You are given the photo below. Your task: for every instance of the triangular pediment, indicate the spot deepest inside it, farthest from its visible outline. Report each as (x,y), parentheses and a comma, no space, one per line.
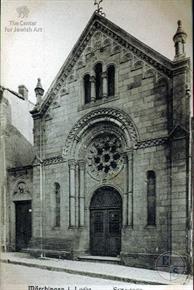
(100,33)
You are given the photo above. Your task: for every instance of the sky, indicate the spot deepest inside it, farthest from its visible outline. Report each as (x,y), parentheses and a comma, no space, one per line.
(54,27)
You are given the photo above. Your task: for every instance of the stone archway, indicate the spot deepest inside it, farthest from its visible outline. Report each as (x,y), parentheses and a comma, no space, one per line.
(116,117)
(105,222)
(113,131)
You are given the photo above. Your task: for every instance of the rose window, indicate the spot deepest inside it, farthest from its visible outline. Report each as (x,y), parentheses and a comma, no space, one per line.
(104,156)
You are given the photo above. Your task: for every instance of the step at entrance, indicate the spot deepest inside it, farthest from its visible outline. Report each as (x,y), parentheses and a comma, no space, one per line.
(100,259)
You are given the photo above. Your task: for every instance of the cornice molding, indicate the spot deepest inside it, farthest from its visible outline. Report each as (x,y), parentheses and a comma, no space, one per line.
(139,145)
(151,142)
(53,160)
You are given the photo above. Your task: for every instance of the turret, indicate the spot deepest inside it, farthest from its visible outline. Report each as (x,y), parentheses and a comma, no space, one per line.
(179,41)
(39,91)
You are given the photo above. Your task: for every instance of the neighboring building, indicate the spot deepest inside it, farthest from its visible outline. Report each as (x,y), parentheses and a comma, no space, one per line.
(16,152)
(111,175)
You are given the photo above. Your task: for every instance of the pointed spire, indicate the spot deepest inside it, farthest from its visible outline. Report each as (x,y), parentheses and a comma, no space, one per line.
(179,41)
(39,91)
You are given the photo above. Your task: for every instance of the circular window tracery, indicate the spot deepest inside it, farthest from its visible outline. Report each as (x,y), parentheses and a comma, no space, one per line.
(104,156)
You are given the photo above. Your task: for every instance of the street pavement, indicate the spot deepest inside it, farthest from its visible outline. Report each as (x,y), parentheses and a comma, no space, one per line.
(19,266)
(16,277)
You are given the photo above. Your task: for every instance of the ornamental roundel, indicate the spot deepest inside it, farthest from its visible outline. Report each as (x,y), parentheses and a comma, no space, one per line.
(104,156)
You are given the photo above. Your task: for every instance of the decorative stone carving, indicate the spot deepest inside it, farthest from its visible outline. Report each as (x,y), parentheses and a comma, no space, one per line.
(107,42)
(21,188)
(89,56)
(53,160)
(137,65)
(138,145)
(116,49)
(80,64)
(97,45)
(64,91)
(151,142)
(104,156)
(72,78)
(127,56)
(56,102)
(150,73)
(100,114)
(88,50)
(97,35)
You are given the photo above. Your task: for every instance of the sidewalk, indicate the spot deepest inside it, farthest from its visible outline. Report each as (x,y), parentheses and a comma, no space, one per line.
(97,270)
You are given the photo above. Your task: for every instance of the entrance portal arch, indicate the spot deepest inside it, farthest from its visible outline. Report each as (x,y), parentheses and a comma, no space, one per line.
(105,222)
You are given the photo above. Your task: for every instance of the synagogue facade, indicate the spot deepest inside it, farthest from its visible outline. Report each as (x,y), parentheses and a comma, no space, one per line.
(111,176)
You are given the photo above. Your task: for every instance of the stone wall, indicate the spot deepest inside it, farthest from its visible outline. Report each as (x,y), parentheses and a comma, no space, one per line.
(149,98)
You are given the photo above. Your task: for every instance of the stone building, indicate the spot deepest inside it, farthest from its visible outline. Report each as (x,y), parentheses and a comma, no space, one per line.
(111,136)
(16,156)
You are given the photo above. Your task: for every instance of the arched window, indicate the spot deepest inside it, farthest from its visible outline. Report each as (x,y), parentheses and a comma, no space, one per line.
(87,89)
(111,80)
(151,198)
(57,204)
(98,73)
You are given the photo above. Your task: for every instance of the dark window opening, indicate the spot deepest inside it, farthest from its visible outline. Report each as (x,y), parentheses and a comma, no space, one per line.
(151,197)
(57,203)
(87,89)
(111,80)
(98,72)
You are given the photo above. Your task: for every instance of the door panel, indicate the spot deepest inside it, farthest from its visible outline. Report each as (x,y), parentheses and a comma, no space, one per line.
(105,232)
(23,224)
(98,233)
(105,222)
(114,232)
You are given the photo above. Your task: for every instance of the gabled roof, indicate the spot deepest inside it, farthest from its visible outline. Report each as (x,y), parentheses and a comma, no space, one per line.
(126,40)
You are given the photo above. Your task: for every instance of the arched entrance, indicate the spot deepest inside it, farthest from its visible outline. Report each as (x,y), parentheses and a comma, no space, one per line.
(105,222)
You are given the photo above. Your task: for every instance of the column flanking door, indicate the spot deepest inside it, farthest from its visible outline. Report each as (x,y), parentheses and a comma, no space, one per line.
(105,222)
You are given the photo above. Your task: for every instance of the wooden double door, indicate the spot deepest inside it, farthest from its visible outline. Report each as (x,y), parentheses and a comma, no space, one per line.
(105,222)
(23,224)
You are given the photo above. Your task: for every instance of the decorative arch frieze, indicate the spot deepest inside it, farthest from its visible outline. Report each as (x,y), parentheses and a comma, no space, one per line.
(109,115)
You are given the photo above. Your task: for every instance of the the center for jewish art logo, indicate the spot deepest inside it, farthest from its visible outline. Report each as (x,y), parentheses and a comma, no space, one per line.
(22,11)
(23,24)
